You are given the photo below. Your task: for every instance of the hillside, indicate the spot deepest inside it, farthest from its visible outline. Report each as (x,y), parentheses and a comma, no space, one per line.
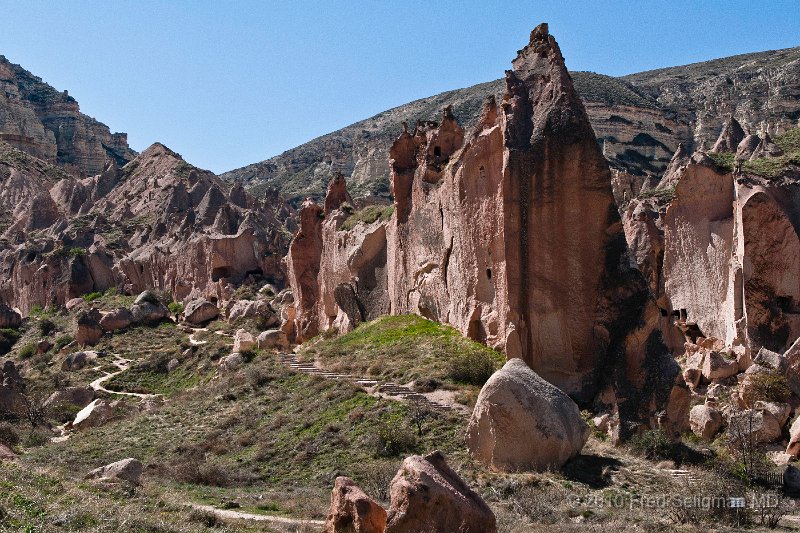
(48,124)
(639,120)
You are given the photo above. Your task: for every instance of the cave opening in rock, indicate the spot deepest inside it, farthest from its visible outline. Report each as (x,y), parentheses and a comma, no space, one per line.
(489,273)
(219,273)
(437,151)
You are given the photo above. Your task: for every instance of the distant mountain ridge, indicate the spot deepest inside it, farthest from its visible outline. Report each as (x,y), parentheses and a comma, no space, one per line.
(48,124)
(639,121)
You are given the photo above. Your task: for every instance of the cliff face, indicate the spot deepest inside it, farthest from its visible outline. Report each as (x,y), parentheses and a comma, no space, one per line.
(48,125)
(639,121)
(156,223)
(509,233)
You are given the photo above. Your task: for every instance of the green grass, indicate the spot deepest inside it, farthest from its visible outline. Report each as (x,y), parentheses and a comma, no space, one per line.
(263,430)
(368,215)
(416,348)
(36,500)
(662,195)
(769,167)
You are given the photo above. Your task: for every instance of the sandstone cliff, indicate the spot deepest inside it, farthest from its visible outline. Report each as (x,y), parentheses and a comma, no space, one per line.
(508,232)
(156,223)
(48,125)
(639,121)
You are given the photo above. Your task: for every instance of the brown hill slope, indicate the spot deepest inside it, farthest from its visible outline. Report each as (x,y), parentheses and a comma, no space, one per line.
(639,120)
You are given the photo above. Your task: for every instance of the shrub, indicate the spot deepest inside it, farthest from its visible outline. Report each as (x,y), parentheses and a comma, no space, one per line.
(368,215)
(62,341)
(175,308)
(92,296)
(46,327)
(653,444)
(767,387)
(473,367)
(8,435)
(36,437)
(27,351)
(201,473)
(374,478)
(8,337)
(390,440)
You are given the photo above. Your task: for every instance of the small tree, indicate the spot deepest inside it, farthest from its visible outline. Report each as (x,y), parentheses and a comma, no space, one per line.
(418,412)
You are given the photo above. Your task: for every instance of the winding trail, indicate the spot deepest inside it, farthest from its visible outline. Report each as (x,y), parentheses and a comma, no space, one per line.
(122,364)
(230,514)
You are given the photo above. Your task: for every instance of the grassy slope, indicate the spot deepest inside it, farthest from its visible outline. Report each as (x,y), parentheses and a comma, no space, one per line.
(769,167)
(417,348)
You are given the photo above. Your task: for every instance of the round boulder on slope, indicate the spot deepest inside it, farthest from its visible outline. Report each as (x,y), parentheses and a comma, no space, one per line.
(522,422)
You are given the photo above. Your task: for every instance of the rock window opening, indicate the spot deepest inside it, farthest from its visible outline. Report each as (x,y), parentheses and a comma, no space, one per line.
(437,151)
(489,273)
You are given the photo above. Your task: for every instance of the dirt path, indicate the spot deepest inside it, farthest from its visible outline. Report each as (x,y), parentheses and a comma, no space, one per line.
(283,522)
(122,364)
(436,401)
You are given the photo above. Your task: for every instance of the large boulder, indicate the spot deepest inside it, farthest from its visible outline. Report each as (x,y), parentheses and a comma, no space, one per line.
(200,311)
(352,511)
(78,361)
(522,422)
(243,341)
(716,366)
(9,318)
(272,339)
(251,309)
(705,420)
(100,412)
(126,470)
(146,312)
(427,495)
(117,319)
(88,331)
(78,396)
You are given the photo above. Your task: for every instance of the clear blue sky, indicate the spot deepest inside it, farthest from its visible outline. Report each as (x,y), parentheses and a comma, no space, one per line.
(231,83)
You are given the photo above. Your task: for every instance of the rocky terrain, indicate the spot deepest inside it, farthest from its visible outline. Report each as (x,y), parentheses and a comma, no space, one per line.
(639,121)
(539,332)
(156,223)
(48,124)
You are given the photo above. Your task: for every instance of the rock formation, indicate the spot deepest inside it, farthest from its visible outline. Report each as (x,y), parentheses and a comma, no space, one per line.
(522,422)
(352,511)
(427,495)
(48,125)
(509,233)
(157,223)
(639,121)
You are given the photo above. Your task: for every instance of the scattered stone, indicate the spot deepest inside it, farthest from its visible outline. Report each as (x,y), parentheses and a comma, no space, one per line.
(74,303)
(252,308)
(243,341)
(522,422)
(427,495)
(771,360)
(88,331)
(716,366)
(9,318)
(78,361)
(173,364)
(149,313)
(200,311)
(705,421)
(119,318)
(147,297)
(272,339)
(231,362)
(6,453)
(353,511)
(78,396)
(98,413)
(793,448)
(43,346)
(126,470)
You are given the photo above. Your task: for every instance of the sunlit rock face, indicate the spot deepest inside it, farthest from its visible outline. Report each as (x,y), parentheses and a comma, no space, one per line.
(510,233)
